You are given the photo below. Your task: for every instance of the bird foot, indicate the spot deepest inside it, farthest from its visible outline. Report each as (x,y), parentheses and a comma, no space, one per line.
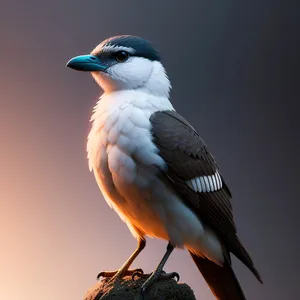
(119,273)
(152,278)
(163,275)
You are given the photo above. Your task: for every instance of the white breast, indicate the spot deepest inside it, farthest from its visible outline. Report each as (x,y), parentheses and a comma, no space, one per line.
(121,126)
(120,150)
(126,162)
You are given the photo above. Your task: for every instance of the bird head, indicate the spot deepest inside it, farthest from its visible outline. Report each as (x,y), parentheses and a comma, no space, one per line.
(124,63)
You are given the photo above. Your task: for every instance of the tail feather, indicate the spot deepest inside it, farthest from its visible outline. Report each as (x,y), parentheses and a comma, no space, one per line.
(241,253)
(221,279)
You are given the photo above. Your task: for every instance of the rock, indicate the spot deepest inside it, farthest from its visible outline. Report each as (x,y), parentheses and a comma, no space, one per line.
(130,290)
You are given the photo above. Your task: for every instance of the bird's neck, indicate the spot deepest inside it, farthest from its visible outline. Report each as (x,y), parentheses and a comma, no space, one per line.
(158,83)
(122,99)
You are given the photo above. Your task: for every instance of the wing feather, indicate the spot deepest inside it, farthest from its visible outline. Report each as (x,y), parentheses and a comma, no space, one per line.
(188,158)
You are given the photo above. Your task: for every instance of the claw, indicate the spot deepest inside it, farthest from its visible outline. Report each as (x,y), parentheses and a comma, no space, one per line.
(162,276)
(137,272)
(165,276)
(120,274)
(105,274)
(175,276)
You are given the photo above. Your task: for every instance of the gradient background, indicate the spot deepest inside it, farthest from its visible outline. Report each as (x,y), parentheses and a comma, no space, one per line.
(233,70)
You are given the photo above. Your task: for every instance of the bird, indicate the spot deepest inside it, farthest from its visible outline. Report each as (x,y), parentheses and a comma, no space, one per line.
(155,170)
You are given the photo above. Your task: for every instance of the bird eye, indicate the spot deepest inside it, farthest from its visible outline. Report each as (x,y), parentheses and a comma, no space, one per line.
(121,56)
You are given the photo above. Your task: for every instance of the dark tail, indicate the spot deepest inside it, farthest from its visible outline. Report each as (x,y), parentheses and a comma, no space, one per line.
(221,280)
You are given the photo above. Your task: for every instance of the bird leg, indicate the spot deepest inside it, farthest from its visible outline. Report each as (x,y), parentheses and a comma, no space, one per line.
(124,270)
(158,272)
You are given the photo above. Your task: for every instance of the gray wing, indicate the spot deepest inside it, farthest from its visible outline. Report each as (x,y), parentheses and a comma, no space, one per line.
(194,174)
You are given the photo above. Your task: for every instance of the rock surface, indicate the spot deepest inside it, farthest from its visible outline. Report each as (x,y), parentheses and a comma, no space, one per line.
(130,290)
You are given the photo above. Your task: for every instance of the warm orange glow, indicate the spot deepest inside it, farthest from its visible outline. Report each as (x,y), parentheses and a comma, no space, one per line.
(56,229)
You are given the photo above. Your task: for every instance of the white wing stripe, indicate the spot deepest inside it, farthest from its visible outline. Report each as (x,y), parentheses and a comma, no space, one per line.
(211,184)
(198,184)
(215,183)
(206,183)
(194,185)
(220,180)
(203,184)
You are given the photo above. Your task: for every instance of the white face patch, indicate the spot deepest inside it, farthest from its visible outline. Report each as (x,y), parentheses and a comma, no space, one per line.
(204,184)
(131,74)
(135,73)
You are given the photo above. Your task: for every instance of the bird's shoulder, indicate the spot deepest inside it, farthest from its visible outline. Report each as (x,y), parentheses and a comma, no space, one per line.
(178,141)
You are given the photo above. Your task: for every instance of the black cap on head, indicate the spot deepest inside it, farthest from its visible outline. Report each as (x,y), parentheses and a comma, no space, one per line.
(142,47)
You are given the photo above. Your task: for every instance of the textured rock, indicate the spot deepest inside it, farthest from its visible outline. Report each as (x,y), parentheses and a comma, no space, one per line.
(130,290)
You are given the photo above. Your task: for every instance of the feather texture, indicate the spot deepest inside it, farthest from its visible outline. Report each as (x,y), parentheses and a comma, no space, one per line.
(187,157)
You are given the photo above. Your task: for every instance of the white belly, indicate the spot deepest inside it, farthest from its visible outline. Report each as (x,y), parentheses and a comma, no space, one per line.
(126,166)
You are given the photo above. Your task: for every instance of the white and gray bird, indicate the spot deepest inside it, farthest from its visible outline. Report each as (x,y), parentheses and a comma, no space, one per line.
(154,169)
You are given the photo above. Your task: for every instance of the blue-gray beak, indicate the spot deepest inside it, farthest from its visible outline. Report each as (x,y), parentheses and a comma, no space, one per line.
(88,63)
